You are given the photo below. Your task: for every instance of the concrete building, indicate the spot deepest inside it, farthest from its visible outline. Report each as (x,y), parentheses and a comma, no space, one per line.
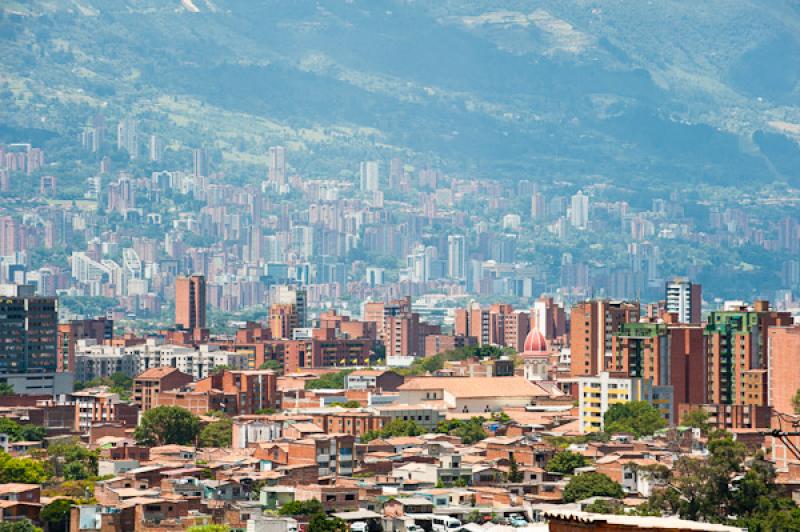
(370,379)
(29,329)
(685,299)
(479,395)
(592,326)
(190,302)
(457,257)
(276,166)
(736,353)
(99,330)
(149,384)
(369,176)
(783,367)
(598,393)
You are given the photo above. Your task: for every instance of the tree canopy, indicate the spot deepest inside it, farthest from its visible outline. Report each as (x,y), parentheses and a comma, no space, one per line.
(566,462)
(591,484)
(56,515)
(72,460)
(19,525)
(398,427)
(22,470)
(639,418)
(335,380)
(272,364)
(166,425)
(217,434)
(118,383)
(725,487)
(436,362)
(310,507)
(22,431)
(322,523)
(470,431)
(696,418)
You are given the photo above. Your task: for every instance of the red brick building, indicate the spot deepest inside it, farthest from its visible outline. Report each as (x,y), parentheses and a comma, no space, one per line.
(153,381)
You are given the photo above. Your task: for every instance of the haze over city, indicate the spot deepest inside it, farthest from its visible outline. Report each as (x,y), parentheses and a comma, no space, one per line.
(399,265)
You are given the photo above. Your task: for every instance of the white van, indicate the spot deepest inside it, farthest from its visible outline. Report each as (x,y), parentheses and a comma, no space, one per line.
(358,526)
(445,523)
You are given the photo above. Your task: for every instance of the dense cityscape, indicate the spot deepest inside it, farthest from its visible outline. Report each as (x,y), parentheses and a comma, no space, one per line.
(215,332)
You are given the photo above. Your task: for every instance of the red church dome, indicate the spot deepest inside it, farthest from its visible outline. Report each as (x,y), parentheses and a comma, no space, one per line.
(535,342)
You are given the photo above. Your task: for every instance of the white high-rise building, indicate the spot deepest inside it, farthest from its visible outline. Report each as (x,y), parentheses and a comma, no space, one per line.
(200,162)
(291,295)
(375,276)
(579,211)
(128,137)
(456,257)
(370,176)
(276,172)
(156,151)
(684,299)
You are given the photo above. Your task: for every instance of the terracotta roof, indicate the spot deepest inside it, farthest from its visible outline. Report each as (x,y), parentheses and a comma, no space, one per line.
(368,373)
(306,427)
(477,386)
(15,487)
(156,373)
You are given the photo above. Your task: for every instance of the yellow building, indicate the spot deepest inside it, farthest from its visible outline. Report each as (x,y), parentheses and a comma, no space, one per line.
(597,394)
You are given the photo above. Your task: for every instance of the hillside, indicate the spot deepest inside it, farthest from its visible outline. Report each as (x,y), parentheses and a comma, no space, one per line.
(652,92)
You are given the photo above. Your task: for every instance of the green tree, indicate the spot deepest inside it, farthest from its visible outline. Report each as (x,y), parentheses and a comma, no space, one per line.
(398,427)
(56,515)
(209,528)
(348,404)
(591,484)
(639,418)
(322,523)
(273,365)
(217,434)
(22,470)
(20,525)
(721,485)
(166,425)
(696,418)
(22,432)
(605,506)
(118,383)
(772,520)
(514,474)
(310,507)
(6,389)
(470,431)
(334,380)
(796,401)
(566,462)
(73,461)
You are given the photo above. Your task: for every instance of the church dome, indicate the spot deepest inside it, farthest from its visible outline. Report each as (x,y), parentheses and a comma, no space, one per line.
(535,342)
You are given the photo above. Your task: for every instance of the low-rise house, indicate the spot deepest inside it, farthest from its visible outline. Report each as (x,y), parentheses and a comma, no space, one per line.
(426,416)
(371,379)
(273,497)
(20,492)
(149,384)
(400,506)
(333,454)
(333,497)
(476,395)
(223,490)
(107,467)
